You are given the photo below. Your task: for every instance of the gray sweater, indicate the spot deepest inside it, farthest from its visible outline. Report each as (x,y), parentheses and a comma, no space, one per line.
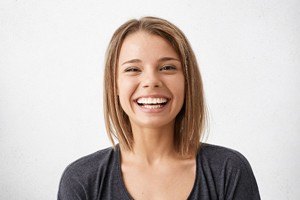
(221,173)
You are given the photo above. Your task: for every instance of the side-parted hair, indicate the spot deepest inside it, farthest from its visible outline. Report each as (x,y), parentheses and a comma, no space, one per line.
(190,122)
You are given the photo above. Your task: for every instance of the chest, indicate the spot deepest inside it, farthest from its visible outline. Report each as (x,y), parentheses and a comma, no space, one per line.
(165,182)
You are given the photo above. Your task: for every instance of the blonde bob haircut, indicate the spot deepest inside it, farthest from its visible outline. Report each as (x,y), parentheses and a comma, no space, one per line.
(190,122)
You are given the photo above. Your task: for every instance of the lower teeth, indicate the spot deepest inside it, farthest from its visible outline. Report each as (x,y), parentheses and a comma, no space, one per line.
(152,106)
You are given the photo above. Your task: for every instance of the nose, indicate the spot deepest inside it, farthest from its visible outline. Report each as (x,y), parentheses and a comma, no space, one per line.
(151,80)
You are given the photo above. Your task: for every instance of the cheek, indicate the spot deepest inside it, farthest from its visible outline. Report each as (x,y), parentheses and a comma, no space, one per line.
(125,91)
(179,87)
(125,87)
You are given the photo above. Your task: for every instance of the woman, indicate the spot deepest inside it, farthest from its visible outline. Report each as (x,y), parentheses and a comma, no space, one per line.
(154,106)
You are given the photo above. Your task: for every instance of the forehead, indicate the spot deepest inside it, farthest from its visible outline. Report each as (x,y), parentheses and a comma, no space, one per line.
(146,47)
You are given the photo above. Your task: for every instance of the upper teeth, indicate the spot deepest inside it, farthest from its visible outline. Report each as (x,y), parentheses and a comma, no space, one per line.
(151,100)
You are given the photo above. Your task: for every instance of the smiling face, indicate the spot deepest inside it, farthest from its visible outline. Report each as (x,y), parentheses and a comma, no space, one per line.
(150,81)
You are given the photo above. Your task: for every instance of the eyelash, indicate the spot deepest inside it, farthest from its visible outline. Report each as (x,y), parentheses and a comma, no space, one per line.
(131,69)
(165,67)
(168,67)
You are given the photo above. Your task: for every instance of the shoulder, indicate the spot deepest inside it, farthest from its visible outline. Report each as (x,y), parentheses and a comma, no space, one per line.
(228,172)
(223,162)
(81,177)
(90,163)
(218,154)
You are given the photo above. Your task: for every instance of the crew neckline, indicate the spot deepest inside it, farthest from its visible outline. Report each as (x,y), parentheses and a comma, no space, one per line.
(122,183)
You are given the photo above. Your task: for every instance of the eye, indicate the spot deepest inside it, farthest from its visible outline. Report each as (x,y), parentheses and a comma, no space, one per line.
(168,68)
(132,69)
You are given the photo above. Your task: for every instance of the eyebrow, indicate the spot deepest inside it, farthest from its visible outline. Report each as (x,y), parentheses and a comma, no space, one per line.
(132,61)
(160,60)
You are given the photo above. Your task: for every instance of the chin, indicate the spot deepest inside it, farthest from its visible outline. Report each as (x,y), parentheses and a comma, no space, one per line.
(153,124)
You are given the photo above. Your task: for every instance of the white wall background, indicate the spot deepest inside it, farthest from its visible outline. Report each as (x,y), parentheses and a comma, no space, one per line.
(51,67)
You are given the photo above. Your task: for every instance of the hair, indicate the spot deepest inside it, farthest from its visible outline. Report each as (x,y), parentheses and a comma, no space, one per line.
(190,122)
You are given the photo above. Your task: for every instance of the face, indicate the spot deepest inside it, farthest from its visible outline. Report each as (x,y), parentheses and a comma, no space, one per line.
(150,81)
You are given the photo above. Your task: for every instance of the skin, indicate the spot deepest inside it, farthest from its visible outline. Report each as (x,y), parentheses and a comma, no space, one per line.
(149,66)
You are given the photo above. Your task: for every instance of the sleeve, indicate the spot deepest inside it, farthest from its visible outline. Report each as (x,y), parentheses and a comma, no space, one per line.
(240,183)
(70,187)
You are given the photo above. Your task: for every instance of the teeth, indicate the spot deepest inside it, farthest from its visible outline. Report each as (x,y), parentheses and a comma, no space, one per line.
(151,100)
(152,106)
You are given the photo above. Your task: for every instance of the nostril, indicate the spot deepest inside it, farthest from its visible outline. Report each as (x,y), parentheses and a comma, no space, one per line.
(155,86)
(151,82)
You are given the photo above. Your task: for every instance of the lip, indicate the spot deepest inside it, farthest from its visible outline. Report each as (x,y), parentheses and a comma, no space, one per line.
(151,110)
(153,96)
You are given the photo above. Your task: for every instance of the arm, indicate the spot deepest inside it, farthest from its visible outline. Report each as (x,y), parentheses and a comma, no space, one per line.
(240,183)
(70,187)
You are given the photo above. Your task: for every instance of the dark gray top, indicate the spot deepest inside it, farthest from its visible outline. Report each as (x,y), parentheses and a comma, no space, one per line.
(221,173)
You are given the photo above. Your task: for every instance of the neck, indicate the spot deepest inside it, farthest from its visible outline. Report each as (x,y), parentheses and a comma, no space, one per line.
(152,145)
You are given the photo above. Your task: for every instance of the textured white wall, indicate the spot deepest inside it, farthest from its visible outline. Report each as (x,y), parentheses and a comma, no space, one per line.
(51,67)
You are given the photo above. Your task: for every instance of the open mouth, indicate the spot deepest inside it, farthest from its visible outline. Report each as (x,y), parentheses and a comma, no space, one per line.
(152,103)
